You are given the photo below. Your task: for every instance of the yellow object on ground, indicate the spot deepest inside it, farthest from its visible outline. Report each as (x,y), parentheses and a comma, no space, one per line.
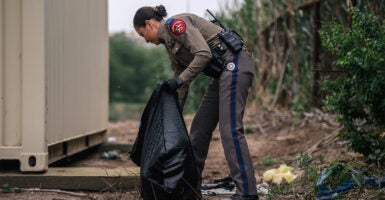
(279,174)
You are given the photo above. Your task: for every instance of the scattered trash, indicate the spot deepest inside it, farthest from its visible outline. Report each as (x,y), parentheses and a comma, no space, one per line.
(336,171)
(110,155)
(218,191)
(222,186)
(111,139)
(226,186)
(263,188)
(278,175)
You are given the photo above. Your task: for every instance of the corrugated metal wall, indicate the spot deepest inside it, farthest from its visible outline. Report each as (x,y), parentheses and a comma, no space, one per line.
(53,79)
(76,72)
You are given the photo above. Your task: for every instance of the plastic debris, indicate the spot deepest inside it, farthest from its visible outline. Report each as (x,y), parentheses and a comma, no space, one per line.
(226,186)
(223,186)
(110,155)
(218,191)
(327,193)
(283,173)
(112,139)
(263,188)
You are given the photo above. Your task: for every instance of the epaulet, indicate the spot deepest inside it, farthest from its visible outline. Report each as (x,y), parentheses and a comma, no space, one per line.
(169,21)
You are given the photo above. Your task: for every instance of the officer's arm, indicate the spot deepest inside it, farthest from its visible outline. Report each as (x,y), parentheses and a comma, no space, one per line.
(193,40)
(183,90)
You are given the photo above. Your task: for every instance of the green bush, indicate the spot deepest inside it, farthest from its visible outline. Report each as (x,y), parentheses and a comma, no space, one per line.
(135,70)
(358,95)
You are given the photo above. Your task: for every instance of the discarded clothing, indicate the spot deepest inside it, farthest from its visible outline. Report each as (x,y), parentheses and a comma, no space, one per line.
(226,186)
(325,193)
(221,186)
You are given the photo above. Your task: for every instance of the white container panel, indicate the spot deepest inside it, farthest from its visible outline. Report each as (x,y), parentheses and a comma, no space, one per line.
(53,79)
(76,60)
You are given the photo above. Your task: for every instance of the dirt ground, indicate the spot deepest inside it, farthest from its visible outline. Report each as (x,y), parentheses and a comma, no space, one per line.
(274,138)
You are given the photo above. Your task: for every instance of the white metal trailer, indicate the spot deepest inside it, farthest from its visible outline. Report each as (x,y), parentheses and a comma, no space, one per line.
(53,79)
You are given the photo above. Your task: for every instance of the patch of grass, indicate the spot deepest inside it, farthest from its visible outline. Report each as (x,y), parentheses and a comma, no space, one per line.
(6,188)
(321,158)
(248,129)
(268,161)
(310,172)
(278,190)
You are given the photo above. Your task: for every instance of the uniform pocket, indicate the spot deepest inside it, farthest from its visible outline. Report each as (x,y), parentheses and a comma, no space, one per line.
(175,49)
(181,54)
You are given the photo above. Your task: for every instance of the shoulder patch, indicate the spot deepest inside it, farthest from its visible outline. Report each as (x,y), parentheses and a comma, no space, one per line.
(177,27)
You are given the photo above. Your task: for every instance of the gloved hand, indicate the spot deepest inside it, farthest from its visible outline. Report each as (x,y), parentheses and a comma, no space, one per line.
(173,84)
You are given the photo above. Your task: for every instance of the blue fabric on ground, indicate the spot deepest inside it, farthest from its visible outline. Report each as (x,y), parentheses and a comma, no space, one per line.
(374,182)
(324,193)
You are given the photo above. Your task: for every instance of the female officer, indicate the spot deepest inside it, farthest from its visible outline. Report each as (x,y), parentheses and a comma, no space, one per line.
(191,42)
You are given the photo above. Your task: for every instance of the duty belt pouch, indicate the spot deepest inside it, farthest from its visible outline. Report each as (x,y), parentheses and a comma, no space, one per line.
(232,40)
(215,66)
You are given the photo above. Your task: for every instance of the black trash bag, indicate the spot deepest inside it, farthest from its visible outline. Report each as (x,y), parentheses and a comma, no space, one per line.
(163,151)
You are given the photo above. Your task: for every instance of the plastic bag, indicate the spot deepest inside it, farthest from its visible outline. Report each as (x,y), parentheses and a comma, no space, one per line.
(163,151)
(278,175)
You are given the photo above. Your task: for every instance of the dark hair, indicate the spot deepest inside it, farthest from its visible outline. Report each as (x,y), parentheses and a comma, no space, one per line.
(147,12)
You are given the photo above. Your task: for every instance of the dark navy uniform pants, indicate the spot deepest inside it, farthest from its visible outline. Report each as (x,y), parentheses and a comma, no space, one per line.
(224,102)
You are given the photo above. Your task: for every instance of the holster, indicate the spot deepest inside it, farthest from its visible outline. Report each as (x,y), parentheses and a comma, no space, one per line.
(215,67)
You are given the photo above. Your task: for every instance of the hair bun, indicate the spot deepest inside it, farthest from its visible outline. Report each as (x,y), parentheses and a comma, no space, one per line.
(160,11)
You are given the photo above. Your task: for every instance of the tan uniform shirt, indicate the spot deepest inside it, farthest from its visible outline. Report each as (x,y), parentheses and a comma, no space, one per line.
(186,38)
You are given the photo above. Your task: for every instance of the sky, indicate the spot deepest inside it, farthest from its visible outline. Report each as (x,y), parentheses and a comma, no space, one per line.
(121,12)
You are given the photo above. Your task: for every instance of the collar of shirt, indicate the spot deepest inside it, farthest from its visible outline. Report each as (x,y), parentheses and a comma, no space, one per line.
(162,32)
(165,36)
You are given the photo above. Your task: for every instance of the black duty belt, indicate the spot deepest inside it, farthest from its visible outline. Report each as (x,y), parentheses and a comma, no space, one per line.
(215,67)
(219,44)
